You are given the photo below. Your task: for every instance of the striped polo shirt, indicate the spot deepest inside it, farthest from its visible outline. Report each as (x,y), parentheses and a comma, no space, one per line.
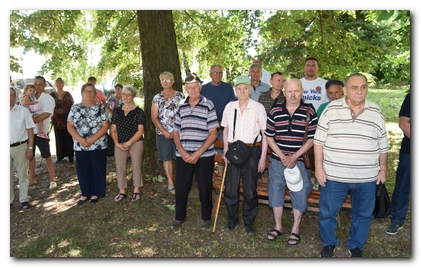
(194,123)
(288,131)
(351,147)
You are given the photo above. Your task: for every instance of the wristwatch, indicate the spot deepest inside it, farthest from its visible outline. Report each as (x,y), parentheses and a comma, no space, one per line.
(30,148)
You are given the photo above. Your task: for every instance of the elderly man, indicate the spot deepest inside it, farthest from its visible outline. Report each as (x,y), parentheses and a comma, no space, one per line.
(334,91)
(248,118)
(21,148)
(350,149)
(48,104)
(314,86)
(195,131)
(265,74)
(285,130)
(220,93)
(255,74)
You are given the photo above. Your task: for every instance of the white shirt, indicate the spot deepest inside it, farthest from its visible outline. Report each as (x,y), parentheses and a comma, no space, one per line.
(48,103)
(20,122)
(314,91)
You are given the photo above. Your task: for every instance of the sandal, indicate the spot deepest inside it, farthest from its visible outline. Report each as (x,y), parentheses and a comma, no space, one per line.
(273,234)
(171,190)
(81,202)
(293,239)
(136,197)
(119,197)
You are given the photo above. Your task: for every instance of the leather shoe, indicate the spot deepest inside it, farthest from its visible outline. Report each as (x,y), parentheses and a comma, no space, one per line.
(229,227)
(71,160)
(58,160)
(250,230)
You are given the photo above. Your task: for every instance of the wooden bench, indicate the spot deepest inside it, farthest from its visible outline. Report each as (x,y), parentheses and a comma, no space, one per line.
(262,187)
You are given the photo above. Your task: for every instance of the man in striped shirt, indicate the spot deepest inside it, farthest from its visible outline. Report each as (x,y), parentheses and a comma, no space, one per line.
(195,131)
(285,128)
(350,149)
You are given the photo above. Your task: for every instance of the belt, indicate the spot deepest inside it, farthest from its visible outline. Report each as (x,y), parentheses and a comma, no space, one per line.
(258,144)
(17,143)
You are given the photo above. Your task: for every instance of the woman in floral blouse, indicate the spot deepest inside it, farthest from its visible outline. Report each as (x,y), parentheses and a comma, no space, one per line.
(88,123)
(163,110)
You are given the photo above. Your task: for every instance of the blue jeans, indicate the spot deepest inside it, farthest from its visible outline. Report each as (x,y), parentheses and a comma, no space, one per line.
(400,197)
(332,195)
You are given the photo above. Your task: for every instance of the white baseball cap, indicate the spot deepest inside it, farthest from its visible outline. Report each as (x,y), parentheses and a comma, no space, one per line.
(293,179)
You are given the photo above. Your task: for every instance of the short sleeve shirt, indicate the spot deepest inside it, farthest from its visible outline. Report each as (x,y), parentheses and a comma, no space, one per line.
(127,125)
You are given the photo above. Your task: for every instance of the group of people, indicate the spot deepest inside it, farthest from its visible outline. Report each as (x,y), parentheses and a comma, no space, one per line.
(290,116)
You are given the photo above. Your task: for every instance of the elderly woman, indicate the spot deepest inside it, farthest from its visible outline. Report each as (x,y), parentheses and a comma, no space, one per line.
(88,123)
(163,110)
(127,128)
(64,142)
(249,124)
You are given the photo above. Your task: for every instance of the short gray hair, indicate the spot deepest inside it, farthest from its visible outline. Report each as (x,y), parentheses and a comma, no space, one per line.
(167,73)
(255,65)
(131,88)
(213,66)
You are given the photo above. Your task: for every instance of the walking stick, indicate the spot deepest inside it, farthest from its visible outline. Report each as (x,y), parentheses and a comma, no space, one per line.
(219,199)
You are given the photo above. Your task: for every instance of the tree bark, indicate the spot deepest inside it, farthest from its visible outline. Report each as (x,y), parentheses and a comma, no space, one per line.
(159,53)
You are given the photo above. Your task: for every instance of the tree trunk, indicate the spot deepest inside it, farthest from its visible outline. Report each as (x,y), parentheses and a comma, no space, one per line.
(159,53)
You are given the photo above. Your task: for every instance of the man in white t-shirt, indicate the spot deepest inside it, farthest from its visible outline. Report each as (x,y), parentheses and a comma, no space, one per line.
(314,86)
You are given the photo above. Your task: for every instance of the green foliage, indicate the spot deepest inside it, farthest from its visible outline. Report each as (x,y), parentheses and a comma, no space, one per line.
(344,41)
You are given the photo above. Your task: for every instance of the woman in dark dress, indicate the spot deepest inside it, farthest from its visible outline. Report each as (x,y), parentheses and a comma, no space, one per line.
(64,141)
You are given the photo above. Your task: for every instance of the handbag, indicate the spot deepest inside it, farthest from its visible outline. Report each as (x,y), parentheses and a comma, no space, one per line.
(382,207)
(308,157)
(238,152)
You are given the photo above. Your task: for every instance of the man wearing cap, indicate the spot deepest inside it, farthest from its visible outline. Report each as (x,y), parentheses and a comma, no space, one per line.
(334,91)
(285,130)
(249,126)
(350,152)
(257,86)
(220,93)
(314,86)
(195,131)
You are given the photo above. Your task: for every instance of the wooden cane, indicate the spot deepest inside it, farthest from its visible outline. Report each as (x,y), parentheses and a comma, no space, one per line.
(219,199)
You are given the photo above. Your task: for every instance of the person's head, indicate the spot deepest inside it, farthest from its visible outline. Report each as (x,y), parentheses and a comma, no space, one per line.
(92,80)
(334,89)
(12,97)
(167,80)
(242,86)
(39,83)
(59,83)
(29,89)
(277,80)
(293,91)
(257,60)
(311,68)
(255,72)
(356,89)
(88,92)
(216,73)
(193,85)
(129,93)
(118,88)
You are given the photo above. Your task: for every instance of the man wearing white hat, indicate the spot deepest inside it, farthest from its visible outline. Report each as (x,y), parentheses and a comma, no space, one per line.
(285,130)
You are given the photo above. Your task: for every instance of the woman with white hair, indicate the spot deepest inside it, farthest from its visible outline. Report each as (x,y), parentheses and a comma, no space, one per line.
(127,128)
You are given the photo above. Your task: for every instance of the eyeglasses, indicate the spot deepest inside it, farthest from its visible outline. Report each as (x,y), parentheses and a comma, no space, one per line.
(215,73)
(88,92)
(166,80)
(127,95)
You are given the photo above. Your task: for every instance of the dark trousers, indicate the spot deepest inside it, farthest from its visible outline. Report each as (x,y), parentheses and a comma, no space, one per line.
(91,168)
(64,143)
(203,170)
(248,173)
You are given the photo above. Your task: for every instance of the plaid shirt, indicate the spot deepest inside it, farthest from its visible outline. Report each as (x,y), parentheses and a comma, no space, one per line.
(267,101)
